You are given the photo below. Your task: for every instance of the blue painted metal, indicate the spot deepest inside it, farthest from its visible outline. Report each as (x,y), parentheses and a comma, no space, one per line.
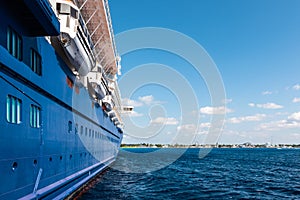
(44,17)
(68,157)
(31,17)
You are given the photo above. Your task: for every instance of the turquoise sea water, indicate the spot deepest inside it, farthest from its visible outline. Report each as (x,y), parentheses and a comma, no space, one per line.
(222,174)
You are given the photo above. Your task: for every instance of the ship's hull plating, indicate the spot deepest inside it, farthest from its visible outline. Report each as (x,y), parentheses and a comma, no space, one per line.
(75,138)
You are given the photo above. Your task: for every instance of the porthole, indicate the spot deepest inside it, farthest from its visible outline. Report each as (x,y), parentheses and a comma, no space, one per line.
(14,166)
(34,162)
(50,159)
(60,157)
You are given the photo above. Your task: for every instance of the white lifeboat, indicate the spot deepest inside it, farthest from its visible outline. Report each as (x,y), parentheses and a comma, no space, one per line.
(73,37)
(120,125)
(108,103)
(112,114)
(96,84)
(114,119)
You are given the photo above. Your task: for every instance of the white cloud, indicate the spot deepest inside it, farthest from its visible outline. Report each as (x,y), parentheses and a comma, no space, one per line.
(169,133)
(278,125)
(281,113)
(295,116)
(293,121)
(267,93)
(227,101)
(251,104)
(250,118)
(215,110)
(269,106)
(142,100)
(296,100)
(187,128)
(205,125)
(134,114)
(147,99)
(202,128)
(266,105)
(165,121)
(296,87)
(130,102)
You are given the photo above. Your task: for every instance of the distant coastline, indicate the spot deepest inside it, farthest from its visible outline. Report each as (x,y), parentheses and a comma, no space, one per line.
(244,145)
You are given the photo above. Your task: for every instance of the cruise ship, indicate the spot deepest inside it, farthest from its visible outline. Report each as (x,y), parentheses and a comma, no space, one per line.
(60,113)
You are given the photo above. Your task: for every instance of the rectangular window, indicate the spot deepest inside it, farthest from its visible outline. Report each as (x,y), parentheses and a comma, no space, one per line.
(65,9)
(58,7)
(81,130)
(13,109)
(14,44)
(69,126)
(76,128)
(18,111)
(73,13)
(35,116)
(35,62)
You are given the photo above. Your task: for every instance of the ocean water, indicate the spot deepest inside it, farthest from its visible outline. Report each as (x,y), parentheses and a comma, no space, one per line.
(222,174)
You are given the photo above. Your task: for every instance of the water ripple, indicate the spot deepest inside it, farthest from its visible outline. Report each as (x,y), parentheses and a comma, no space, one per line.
(223,174)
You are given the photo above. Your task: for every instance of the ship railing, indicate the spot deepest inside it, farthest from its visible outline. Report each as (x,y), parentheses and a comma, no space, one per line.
(104,46)
(110,81)
(116,95)
(87,38)
(109,21)
(101,56)
(85,31)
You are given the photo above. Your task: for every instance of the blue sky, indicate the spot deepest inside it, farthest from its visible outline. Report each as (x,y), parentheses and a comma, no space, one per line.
(255,45)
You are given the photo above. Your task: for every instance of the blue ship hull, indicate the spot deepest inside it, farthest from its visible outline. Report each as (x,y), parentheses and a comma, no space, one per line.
(53,136)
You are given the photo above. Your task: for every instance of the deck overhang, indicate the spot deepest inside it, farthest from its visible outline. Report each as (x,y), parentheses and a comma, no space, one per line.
(35,17)
(98,21)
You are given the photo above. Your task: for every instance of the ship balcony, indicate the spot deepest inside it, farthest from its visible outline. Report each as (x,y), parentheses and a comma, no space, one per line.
(35,17)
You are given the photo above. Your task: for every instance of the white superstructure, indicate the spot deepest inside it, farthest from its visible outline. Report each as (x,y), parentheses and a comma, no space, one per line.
(88,42)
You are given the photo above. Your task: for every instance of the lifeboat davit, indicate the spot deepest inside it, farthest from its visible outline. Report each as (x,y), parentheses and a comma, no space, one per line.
(74,37)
